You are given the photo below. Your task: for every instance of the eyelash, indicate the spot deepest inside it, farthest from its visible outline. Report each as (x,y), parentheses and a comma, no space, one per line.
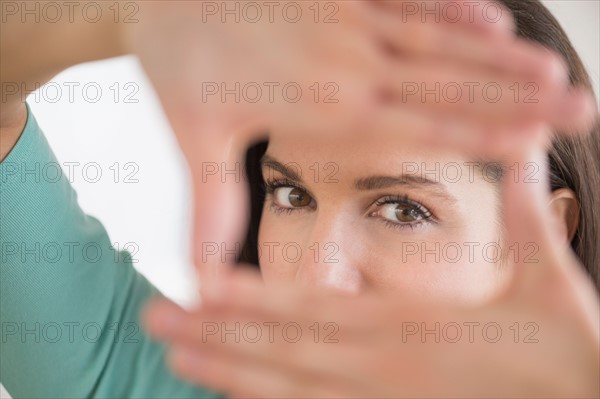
(271,185)
(426,216)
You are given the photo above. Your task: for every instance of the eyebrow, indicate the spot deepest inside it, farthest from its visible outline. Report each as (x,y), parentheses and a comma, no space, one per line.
(379,182)
(406,180)
(288,172)
(369,183)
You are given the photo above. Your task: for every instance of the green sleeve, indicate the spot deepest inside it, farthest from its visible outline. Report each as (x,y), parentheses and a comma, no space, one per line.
(69,303)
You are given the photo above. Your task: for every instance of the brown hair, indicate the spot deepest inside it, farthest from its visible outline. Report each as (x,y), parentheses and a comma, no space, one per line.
(574,160)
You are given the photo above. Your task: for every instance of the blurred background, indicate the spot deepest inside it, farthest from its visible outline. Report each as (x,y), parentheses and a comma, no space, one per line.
(106,127)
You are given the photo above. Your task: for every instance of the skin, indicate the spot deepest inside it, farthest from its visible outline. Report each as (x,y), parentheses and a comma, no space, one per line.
(178,57)
(365,246)
(362,246)
(551,298)
(369,48)
(370,361)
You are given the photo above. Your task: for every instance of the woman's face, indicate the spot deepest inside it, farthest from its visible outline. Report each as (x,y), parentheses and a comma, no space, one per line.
(363,215)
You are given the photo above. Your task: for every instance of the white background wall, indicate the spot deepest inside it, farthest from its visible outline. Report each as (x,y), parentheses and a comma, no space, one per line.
(153,212)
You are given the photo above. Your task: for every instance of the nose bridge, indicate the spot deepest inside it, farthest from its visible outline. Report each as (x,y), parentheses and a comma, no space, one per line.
(329,261)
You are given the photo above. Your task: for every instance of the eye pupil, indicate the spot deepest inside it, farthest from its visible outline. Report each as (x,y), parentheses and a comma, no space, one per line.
(407,214)
(298,198)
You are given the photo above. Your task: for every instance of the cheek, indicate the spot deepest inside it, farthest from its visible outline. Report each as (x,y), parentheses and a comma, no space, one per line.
(277,243)
(436,269)
(458,260)
(454,260)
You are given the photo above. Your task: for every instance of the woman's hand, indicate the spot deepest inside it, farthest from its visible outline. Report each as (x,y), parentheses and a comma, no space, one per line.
(387,68)
(548,317)
(340,68)
(538,338)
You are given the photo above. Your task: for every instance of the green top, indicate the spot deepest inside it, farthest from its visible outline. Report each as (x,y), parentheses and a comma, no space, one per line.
(69,303)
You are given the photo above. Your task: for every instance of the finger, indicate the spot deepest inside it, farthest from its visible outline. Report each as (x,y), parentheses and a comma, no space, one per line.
(483,17)
(337,351)
(398,123)
(162,318)
(342,360)
(167,321)
(579,110)
(240,377)
(546,270)
(435,41)
(237,338)
(220,196)
(284,353)
(486,97)
(311,337)
(395,123)
(539,254)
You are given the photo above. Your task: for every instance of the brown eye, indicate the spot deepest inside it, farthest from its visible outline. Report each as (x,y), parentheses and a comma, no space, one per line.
(402,213)
(407,214)
(299,198)
(291,197)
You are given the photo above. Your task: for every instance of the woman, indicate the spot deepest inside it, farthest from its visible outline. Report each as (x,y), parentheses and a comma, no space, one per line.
(360,233)
(328,170)
(97,369)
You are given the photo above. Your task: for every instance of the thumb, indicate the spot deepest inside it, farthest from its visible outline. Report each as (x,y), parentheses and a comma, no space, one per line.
(214,145)
(546,270)
(220,195)
(533,243)
(543,263)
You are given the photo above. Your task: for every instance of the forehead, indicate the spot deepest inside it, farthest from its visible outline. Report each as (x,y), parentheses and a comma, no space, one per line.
(365,156)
